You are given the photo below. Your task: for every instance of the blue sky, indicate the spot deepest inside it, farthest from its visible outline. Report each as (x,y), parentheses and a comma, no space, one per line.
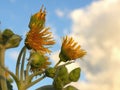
(93,23)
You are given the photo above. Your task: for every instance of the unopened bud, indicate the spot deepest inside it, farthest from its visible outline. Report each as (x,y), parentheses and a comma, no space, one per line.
(50,72)
(13,41)
(74,74)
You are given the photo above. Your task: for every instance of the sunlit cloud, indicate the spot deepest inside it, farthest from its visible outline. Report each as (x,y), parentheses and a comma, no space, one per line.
(99,27)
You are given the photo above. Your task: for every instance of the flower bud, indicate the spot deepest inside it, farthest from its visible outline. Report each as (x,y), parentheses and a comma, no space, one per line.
(58,84)
(13,41)
(74,74)
(50,72)
(38,61)
(62,73)
(7,33)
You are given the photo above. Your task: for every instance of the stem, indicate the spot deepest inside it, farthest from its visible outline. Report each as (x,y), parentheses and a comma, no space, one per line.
(2,72)
(18,62)
(65,64)
(36,81)
(22,66)
(12,74)
(35,74)
(57,64)
(27,69)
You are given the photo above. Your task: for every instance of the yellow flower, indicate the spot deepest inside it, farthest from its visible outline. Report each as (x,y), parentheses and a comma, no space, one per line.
(70,50)
(39,38)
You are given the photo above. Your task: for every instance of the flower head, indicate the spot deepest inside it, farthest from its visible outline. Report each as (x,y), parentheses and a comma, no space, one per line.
(38,62)
(39,38)
(70,50)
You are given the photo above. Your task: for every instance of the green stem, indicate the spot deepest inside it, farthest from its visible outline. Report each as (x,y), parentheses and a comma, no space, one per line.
(27,69)
(65,64)
(18,62)
(35,74)
(2,72)
(57,64)
(22,65)
(34,82)
(12,74)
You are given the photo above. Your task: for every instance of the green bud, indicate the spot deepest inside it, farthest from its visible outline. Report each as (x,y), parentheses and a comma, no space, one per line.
(62,70)
(70,88)
(50,72)
(37,59)
(74,74)
(7,33)
(58,84)
(62,73)
(13,41)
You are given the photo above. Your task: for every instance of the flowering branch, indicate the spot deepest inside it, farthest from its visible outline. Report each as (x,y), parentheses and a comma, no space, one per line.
(38,40)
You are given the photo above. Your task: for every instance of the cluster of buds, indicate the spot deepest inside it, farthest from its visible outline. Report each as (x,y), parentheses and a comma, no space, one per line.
(63,78)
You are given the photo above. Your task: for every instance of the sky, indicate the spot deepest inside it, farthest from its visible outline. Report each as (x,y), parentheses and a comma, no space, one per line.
(94,24)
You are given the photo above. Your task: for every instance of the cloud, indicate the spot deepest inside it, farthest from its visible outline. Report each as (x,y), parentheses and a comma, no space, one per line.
(59,13)
(97,28)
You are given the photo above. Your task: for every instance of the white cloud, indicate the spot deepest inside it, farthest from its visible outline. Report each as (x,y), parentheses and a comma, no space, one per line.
(99,27)
(59,13)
